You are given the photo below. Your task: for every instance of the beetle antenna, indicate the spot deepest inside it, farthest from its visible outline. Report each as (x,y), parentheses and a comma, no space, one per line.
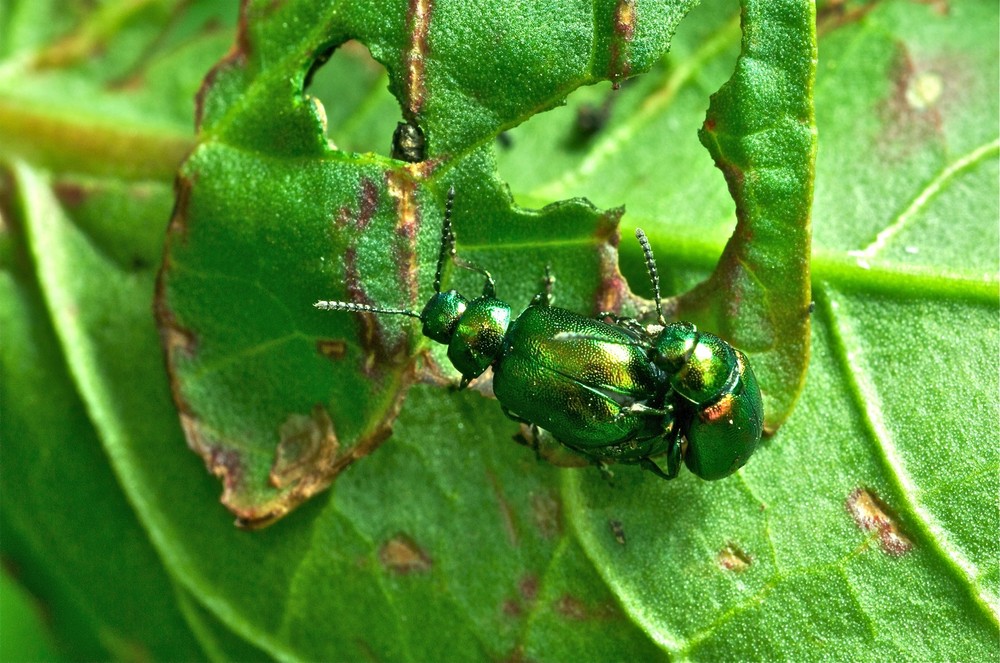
(448,248)
(654,276)
(447,240)
(363,308)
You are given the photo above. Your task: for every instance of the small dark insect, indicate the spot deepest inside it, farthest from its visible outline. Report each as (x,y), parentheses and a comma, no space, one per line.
(590,119)
(408,143)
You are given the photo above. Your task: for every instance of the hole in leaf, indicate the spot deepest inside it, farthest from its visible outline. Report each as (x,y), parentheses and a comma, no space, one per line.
(871,514)
(538,153)
(733,558)
(639,147)
(353,87)
(402,555)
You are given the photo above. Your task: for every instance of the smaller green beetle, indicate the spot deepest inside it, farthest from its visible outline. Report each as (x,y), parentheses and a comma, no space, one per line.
(717,400)
(612,392)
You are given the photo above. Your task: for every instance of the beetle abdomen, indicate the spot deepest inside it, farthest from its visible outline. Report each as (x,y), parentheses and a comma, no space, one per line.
(724,434)
(573,375)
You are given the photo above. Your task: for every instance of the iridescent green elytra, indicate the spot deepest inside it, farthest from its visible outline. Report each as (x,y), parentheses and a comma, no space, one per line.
(613,392)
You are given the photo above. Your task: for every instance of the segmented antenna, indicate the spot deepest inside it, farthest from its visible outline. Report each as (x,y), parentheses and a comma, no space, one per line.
(647,251)
(448,249)
(447,240)
(362,308)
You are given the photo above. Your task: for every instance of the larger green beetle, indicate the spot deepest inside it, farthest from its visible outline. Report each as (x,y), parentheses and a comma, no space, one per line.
(612,392)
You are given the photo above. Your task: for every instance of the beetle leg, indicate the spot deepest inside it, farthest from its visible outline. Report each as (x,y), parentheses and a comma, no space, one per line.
(674,449)
(649,465)
(490,287)
(673,454)
(628,324)
(514,417)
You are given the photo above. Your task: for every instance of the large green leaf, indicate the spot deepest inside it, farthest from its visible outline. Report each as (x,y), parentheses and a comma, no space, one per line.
(264,183)
(451,541)
(68,530)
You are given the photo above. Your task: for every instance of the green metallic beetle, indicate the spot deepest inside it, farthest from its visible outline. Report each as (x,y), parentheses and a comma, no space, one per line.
(612,392)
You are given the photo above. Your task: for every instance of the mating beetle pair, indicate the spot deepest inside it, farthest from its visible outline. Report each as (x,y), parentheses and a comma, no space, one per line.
(612,392)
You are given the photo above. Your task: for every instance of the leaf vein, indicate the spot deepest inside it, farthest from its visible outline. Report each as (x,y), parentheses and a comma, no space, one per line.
(868,403)
(922,198)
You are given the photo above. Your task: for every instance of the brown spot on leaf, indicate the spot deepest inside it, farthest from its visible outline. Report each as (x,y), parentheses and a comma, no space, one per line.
(343,218)
(425,169)
(911,115)
(512,608)
(378,353)
(368,333)
(367,203)
(506,512)
(517,656)
(70,194)
(430,371)
(733,558)
(403,556)
(331,349)
(306,452)
(836,14)
(403,190)
(617,531)
(571,607)
(612,291)
(133,82)
(528,587)
(418,20)
(547,512)
(871,514)
(621,39)
(527,593)
(227,465)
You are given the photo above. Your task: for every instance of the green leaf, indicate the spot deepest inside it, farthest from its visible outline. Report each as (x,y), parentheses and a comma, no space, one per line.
(451,542)
(68,530)
(24,635)
(304,394)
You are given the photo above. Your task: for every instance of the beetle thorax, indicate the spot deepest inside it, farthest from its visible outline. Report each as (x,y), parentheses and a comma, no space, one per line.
(700,365)
(478,335)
